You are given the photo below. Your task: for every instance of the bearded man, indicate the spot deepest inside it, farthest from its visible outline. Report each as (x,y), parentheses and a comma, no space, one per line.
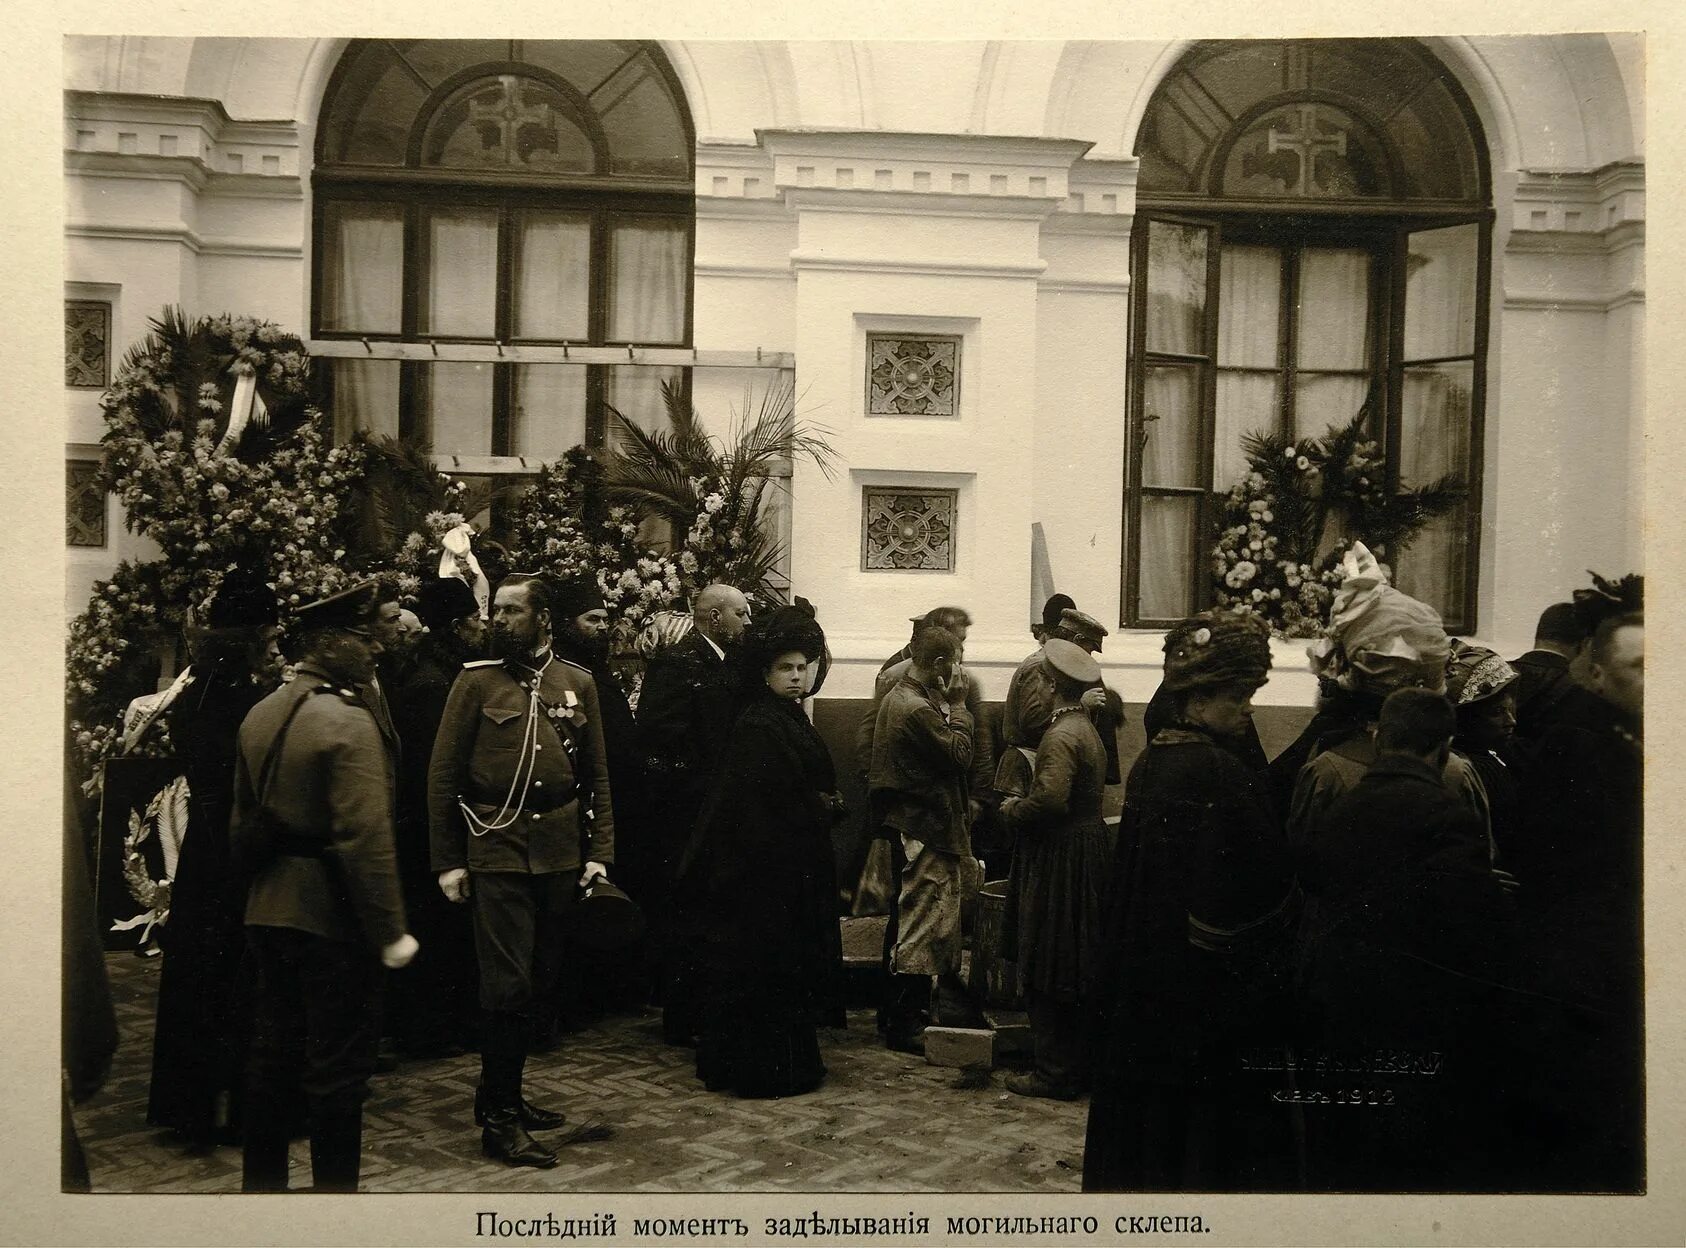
(520,814)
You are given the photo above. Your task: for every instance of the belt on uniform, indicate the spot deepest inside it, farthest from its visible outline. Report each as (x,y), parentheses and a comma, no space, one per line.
(539,802)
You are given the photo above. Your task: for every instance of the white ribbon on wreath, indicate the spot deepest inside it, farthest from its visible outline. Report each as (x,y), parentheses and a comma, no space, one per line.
(457,559)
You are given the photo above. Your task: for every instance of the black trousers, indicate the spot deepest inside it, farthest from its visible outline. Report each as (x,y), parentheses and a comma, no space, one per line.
(315,1030)
(519,921)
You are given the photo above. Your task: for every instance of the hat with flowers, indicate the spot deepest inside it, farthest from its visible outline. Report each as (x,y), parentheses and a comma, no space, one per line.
(1216,649)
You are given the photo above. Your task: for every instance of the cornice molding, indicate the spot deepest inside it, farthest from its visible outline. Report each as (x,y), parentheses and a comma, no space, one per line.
(179,127)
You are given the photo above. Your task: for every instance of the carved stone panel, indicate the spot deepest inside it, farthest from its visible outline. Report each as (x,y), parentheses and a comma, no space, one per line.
(912,375)
(84,503)
(907,529)
(87,344)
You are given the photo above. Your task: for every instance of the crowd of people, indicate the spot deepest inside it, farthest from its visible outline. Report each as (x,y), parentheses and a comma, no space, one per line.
(1404,954)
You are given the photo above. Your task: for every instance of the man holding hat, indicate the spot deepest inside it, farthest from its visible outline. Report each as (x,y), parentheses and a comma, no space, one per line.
(518,803)
(313,819)
(433,999)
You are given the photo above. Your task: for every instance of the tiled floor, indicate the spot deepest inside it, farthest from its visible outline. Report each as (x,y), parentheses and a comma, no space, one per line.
(882,1121)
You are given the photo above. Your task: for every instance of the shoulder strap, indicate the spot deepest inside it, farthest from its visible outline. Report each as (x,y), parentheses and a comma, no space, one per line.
(272,759)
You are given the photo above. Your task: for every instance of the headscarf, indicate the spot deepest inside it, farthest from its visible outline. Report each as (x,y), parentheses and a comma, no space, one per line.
(1377,638)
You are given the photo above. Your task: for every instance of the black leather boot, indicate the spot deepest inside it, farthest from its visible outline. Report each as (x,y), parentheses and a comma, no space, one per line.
(532,1116)
(505,1139)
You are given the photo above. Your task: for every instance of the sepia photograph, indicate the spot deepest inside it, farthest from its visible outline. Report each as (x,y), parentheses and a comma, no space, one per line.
(816,618)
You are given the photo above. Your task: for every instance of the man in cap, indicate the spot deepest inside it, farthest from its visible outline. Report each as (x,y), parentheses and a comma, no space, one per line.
(1030,706)
(313,819)
(433,998)
(921,760)
(519,807)
(685,712)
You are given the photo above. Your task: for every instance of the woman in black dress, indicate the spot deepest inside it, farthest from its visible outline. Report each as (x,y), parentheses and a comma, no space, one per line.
(199,1045)
(761,874)
(1194,992)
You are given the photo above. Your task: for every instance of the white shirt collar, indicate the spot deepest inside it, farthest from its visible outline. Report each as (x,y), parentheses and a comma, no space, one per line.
(718,652)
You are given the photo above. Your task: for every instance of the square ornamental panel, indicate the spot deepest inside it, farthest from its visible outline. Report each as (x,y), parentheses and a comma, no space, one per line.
(907,529)
(912,375)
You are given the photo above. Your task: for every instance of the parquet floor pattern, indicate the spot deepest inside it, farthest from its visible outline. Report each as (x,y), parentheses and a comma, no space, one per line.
(881,1122)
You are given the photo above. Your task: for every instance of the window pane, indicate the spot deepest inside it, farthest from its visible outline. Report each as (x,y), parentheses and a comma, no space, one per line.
(648,280)
(365,397)
(460,289)
(646,135)
(1435,441)
(552,275)
(637,394)
(549,414)
(1247,403)
(1249,306)
(1167,546)
(457,406)
(1171,427)
(373,108)
(363,268)
(1322,400)
(1334,308)
(1176,287)
(1307,151)
(1440,292)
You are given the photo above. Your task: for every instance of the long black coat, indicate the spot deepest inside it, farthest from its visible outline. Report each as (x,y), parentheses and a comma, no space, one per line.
(199,1045)
(759,876)
(1196,977)
(1408,949)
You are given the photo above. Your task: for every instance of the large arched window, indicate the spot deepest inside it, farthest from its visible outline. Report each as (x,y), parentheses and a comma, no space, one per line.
(514,195)
(1312,236)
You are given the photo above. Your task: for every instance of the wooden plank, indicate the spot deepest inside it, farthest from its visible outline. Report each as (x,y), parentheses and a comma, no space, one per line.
(531,353)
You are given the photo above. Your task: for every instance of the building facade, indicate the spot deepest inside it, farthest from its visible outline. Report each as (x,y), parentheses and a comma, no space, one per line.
(1035,291)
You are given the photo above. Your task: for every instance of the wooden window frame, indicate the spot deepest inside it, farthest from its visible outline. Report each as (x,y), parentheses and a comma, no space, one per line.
(604,198)
(1386,236)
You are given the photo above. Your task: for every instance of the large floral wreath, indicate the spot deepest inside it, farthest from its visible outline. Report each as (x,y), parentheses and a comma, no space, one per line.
(1282,528)
(217,455)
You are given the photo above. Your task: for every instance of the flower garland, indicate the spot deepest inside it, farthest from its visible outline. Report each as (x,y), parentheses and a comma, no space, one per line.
(1281,530)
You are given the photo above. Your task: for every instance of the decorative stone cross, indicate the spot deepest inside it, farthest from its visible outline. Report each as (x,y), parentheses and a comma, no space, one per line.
(1307,142)
(511,112)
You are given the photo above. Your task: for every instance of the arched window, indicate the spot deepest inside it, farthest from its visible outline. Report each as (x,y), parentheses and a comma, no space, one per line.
(507,193)
(1312,235)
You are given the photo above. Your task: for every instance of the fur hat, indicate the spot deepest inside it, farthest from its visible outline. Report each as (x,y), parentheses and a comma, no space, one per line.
(242,601)
(1215,649)
(445,600)
(574,598)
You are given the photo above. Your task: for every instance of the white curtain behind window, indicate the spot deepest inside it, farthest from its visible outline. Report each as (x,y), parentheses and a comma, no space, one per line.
(647,281)
(459,297)
(1334,334)
(363,278)
(1249,394)
(553,276)
(365,397)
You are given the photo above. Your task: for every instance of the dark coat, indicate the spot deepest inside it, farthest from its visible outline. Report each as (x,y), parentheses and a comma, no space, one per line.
(1029,709)
(199,1044)
(760,878)
(484,752)
(332,784)
(1195,976)
(685,711)
(1057,886)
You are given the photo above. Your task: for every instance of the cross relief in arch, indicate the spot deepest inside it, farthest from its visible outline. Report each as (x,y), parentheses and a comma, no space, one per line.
(1306,142)
(509,113)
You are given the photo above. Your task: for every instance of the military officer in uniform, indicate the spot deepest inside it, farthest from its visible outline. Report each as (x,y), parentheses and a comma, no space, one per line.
(520,816)
(312,818)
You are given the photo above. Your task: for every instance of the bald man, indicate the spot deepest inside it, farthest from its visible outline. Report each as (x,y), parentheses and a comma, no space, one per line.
(685,714)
